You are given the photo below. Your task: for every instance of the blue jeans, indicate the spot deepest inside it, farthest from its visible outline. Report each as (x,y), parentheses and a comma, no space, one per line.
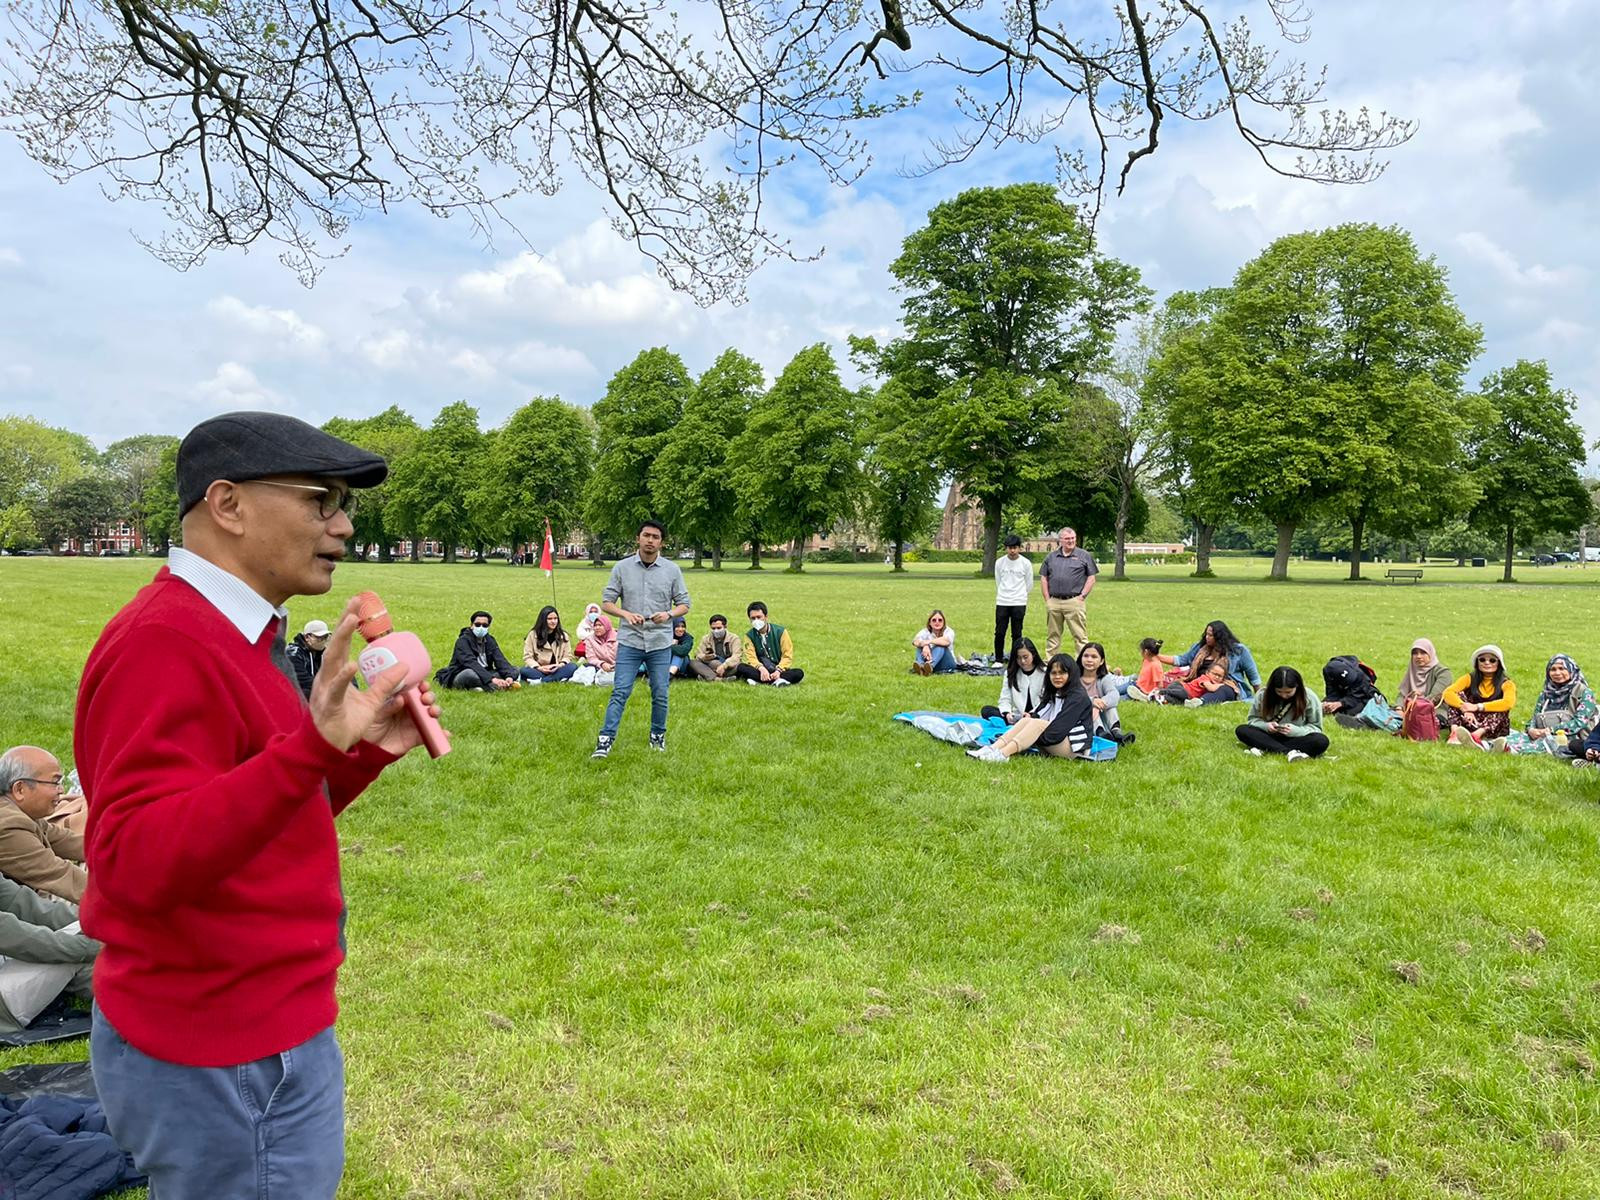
(560,675)
(272,1129)
(1225,694)
(631,662)
(943,660)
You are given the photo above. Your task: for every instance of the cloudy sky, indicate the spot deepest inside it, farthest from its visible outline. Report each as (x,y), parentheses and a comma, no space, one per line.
(1501,184)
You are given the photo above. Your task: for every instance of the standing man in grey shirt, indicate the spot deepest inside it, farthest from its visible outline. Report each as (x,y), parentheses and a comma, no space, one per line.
(1066,579)
(645,592)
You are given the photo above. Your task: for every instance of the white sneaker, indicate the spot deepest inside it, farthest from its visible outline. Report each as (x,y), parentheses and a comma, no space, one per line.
(993,754)
(780,681)
(1192,702)
(1136,693)
(977,752)
(753,682)
(1298,756)
(1258,751)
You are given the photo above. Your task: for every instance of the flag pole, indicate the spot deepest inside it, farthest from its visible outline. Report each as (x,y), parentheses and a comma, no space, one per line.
(547,559)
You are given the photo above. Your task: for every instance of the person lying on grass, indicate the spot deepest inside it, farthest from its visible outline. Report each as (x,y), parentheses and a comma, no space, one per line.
(1285,718)
(1563,714)
(1212,680)
(1022,686)
(933,648)
(1477,707)
(1062,724)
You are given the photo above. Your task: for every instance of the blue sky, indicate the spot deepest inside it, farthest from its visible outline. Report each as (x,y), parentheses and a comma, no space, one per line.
(1501,184)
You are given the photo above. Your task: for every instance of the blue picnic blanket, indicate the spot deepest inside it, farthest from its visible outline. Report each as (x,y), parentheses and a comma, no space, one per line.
(964,729)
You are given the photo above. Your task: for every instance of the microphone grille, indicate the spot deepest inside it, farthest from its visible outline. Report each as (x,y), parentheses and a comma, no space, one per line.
(372,617)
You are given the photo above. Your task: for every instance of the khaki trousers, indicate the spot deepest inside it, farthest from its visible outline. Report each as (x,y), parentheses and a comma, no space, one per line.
(1070,613)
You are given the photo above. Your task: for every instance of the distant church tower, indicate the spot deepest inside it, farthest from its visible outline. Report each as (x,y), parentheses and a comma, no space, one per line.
(962,527)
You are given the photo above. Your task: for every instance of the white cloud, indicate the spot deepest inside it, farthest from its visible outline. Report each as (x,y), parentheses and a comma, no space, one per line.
(10,257)
(473,364)
(280,330)
(391,350)
(539,359)
(234,386)
(1484,249)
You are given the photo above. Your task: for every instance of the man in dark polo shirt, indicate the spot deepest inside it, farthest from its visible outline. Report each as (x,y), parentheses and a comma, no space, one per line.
(1066,579)
(213,785)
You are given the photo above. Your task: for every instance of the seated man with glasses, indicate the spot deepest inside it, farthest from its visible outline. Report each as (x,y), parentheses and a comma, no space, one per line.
(47,857)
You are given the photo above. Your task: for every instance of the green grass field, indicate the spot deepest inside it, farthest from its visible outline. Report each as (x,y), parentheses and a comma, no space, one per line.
(813,953)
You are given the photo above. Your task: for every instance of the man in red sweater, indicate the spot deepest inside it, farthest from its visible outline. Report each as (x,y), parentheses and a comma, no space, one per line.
(213,860)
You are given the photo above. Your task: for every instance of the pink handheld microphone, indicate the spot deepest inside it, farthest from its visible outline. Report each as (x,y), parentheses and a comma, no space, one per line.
(384,649)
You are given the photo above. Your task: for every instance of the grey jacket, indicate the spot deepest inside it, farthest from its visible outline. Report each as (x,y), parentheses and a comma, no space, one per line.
(29,925)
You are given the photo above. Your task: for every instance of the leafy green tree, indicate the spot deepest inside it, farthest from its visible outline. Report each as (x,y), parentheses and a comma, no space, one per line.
(797,468)
(18,529)
(1527,454)
(535,470)
(1008,309)
(134,467)
(633,420)
(901,480)
(691,482)
(391,434)
(36,458)
(81,508)
(162,523)
(429,487)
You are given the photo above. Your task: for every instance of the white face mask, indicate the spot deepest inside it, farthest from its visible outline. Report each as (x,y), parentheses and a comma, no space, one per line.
(757,624)
(480,631)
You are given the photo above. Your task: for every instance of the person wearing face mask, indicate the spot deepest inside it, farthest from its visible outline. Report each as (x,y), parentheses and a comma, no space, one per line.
(768,651)
(720,652)
(477,664)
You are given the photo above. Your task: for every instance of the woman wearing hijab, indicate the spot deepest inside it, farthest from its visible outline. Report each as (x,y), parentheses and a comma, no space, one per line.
(1426,677)
(1563,714)
(1477,707)
(600,650)
(682,649)
(585,628)
(547,650)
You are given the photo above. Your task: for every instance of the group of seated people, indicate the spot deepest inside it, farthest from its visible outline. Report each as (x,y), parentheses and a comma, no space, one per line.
(42,878)
(764,654)
(1059,706)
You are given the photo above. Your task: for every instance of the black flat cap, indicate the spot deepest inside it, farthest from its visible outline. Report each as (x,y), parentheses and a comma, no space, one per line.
(254,445)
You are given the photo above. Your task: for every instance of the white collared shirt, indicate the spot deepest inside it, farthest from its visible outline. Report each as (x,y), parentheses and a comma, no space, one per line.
(231,596)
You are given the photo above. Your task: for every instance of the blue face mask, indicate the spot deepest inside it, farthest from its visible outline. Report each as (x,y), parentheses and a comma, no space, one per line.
(480,631)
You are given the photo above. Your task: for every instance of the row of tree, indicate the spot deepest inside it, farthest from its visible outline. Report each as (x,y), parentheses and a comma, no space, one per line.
(1325,386)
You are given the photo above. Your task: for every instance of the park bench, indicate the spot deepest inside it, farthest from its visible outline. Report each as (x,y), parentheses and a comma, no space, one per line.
(1412,573)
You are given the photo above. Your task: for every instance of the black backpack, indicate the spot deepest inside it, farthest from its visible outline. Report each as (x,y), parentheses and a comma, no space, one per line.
(1350,681)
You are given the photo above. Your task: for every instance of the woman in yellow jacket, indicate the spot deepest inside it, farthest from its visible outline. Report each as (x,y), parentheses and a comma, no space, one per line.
(1477,707)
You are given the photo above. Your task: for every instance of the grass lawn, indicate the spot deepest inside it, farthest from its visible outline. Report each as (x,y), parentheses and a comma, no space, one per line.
(813,953)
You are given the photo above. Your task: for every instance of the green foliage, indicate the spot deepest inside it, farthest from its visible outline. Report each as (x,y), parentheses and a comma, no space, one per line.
(635,418)
(900,474)
(18,529)
(134,466)
(429,489)
(796,459)
(78,508)
(36,458)
(392,434)
(692,482)
(1526,455)
(162,523)
(1007,308)
(535,469)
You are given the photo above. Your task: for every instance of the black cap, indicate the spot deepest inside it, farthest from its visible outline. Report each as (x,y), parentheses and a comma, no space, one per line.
(254,445)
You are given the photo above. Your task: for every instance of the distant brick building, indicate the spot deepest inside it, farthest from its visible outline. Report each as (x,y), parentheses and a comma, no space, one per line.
(962,527)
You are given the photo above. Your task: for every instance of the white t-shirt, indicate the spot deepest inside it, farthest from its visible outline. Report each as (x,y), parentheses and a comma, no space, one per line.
(1013,580)
(924,635)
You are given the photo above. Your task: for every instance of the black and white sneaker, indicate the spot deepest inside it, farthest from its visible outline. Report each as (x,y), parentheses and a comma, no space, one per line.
(602,746)
(658,741)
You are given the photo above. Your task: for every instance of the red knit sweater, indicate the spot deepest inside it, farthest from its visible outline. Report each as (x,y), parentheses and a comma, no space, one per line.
(213,862)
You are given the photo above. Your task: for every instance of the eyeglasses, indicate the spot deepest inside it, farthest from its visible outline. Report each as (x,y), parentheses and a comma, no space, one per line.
(330,501)
(55,783)
(1489,658)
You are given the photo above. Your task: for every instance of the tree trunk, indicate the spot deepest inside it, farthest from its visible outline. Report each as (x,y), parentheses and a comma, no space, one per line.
(797,555)
(755,553)
(899,555)
(699,555)
(1119,568)
(1203,533)
(450,551)
(716,557)
(1358,526)
(1280,558)
(992,510)
(385,552)
(1511,544)
(416,548)
(597,552)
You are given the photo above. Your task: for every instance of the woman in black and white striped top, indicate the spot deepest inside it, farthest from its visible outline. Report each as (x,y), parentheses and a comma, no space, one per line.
(1061,724)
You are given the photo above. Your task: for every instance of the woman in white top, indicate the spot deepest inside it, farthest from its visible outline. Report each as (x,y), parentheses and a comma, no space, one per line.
(933,647)
(1022,686)
(1013,580)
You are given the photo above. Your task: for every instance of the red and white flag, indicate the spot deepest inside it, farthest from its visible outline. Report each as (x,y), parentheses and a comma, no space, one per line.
(547,559)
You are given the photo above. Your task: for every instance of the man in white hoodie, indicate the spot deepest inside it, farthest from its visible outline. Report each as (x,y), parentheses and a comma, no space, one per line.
(1013,580)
